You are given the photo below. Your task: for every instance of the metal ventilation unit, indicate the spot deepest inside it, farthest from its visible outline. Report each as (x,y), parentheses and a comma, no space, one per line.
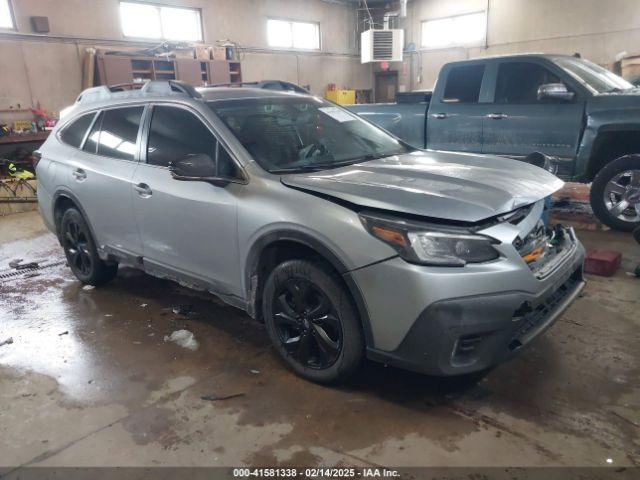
(381,45)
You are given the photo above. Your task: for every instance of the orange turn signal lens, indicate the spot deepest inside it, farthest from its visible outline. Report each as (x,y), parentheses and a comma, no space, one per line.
(530,257)
(389,235)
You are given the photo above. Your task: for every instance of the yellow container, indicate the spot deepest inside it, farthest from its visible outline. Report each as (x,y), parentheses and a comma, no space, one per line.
(341,97)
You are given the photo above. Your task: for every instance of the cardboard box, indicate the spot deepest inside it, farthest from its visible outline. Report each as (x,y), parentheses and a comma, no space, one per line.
(218,53)
(203,52)
(184,53)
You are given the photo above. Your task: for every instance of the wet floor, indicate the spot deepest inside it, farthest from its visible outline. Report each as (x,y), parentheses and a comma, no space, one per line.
(90,381)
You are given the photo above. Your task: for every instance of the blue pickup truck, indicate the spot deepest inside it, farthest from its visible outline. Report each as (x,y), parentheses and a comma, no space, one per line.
(567,114)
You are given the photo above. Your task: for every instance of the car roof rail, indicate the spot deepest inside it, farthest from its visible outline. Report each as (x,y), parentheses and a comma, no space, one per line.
(128,90)
(281,85)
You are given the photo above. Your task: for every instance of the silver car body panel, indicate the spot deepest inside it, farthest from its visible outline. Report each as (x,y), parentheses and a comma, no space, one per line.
(209,236)
(445,185)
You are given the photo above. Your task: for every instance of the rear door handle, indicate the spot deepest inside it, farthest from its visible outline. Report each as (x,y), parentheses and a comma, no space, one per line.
(79,174)
(439,116)
(497,116)
(143,190)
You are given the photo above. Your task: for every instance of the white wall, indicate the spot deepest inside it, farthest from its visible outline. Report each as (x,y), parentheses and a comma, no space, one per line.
(598,29)
(48,69)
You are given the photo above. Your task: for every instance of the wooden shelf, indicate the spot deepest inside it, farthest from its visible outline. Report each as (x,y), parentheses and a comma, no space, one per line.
(27,137)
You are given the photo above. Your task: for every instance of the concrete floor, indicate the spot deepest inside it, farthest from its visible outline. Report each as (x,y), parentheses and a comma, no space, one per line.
(89,381)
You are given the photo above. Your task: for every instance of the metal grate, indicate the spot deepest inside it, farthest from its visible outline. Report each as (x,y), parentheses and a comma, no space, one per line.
(9,274)
(382,45)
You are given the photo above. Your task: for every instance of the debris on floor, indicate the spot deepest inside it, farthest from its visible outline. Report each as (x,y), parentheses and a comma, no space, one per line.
(88,287)
(182,309)
(66,332)
(18,265)
(255,371)
(183,338)
(15,263)
(143,305)
(213,398)
(8,341)
(602,262)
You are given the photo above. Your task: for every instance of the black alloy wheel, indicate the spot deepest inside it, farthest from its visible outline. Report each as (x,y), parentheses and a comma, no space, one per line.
(307,323)
(312,321)
(76,245)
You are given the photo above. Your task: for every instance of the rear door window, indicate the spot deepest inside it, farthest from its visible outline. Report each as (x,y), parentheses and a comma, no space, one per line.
(119,132)
(74,133)
(518,82)
(464,84)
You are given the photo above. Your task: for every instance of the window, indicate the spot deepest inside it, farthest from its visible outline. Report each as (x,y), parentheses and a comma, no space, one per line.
(115,133)
(299,134)
(299,35)
(463,84)
(145,20)
(176,133)
(6,15)
(73,134)
(461,30)
(518,82)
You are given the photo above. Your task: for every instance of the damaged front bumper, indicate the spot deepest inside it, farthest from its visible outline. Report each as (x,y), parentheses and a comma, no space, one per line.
(448,321)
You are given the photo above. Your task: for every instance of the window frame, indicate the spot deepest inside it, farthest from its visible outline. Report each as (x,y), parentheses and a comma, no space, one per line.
(146,129)
(480,43)
(483,79)
(291,22)
(12,16)
(73,120)
(97,112)
(159,7)
(537,64)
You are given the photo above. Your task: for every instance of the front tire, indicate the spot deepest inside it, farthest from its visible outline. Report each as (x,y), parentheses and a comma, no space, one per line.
(80,250)
(312,322)
(615,194)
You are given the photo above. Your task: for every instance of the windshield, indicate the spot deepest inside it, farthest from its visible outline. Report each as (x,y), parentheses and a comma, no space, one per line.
(288,134)
(592,76)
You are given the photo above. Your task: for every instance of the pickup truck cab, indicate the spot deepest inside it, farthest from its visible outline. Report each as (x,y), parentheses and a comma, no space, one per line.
(583,118)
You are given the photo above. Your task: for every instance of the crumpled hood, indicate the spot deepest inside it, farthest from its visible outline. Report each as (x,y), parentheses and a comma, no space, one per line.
(445,185)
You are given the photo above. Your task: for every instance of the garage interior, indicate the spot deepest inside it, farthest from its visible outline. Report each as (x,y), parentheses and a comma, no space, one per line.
(88,377)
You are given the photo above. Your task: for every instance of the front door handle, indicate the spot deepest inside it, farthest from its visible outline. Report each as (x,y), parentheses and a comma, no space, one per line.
(79,174)
(143,190)
(439,116)
(497,116)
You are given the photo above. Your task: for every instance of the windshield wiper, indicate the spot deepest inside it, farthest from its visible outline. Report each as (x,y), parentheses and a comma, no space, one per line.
(328,166)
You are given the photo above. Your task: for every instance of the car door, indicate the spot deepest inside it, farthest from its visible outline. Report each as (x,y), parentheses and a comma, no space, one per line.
(519,123)
(189,228)
(101,175)
(455,114)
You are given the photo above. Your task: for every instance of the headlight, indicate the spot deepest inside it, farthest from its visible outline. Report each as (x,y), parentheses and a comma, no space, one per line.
(429,245)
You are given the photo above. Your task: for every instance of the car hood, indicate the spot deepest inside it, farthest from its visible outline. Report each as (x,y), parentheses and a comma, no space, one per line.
(444,185)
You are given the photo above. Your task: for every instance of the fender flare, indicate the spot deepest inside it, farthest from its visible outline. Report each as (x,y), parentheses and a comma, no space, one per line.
(255,254)
(63,192)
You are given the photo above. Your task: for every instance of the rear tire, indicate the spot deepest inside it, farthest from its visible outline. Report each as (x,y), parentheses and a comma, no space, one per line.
(80,250)
(312,322)
(615,194)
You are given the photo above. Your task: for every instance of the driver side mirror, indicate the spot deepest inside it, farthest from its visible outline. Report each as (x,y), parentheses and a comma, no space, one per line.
(555,91)
(198,167)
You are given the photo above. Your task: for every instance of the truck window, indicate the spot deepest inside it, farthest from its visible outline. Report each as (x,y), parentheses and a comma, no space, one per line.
(463,84)
(518,82)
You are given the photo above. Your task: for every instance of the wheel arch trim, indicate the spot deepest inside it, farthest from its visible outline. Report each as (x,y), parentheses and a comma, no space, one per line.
(284,235)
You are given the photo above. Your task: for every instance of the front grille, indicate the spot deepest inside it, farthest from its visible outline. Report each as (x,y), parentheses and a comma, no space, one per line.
(537,316)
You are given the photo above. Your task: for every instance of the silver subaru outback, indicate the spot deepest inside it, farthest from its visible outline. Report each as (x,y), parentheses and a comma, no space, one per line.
(346,242)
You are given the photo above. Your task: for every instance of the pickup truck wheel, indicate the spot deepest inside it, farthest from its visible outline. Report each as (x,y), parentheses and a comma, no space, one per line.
(80,250)
(311,321)
(615,194)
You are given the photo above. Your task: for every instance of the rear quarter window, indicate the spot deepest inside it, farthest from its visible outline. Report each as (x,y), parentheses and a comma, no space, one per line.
(74,133)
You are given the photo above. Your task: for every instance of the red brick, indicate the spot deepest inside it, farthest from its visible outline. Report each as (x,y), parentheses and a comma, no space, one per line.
(602,262)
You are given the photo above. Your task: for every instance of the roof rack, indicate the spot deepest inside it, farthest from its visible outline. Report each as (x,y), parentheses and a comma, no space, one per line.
(126,90)
(266,85)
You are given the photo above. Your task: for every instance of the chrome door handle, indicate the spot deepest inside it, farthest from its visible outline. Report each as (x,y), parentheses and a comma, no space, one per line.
(143,190)
(79,174)
(497,116)
(439,116)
